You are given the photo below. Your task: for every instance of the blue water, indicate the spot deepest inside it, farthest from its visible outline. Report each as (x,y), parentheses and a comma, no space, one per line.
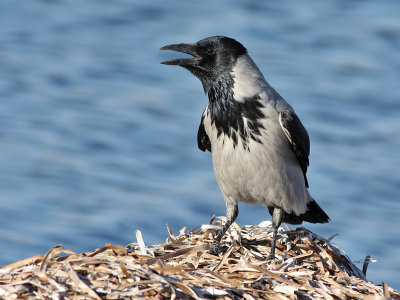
(97,139)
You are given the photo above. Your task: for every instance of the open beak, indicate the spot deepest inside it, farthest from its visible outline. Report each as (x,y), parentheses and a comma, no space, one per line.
(184,48)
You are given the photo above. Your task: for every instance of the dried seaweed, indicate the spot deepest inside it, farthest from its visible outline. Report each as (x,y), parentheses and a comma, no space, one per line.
(308,267)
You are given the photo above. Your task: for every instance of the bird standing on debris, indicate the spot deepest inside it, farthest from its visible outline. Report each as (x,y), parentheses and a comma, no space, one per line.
(259,147)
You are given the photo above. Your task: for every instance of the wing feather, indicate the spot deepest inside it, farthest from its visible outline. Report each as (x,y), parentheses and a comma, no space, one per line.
(298,138)
(203,140)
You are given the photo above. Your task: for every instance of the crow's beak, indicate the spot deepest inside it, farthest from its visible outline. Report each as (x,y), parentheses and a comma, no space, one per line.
(184,48)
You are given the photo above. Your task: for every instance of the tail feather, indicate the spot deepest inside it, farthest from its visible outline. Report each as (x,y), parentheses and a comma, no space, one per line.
(313,214)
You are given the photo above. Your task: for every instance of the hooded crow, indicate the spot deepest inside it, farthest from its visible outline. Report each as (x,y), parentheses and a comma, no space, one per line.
(259,147)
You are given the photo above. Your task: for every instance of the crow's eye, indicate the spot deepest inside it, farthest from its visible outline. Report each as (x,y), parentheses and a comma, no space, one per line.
(210,51)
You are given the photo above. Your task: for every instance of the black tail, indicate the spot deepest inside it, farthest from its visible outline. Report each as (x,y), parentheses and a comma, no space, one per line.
(313,214)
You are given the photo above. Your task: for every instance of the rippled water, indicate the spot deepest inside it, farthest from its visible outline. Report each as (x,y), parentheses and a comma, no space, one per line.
(98,139)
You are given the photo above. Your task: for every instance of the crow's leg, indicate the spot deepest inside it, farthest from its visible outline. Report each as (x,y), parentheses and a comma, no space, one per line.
(276,222)
(231,214)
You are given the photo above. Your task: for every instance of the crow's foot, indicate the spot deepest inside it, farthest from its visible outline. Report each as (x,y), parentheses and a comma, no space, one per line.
(215,249)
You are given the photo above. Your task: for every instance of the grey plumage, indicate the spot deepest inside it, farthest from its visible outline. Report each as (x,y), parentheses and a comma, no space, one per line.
(258,144)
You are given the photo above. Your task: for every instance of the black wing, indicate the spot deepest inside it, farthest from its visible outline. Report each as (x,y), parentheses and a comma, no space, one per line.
(202,138)
(298,138)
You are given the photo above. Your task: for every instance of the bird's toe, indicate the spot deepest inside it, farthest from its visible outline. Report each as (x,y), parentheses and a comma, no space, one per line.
(215,249)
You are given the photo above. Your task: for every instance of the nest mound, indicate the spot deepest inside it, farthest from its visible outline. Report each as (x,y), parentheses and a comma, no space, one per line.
(307,267)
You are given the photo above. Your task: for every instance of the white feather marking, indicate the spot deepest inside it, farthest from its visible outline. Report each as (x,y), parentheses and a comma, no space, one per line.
(287,133)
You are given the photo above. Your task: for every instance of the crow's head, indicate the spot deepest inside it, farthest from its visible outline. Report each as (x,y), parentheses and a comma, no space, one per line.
(212,57)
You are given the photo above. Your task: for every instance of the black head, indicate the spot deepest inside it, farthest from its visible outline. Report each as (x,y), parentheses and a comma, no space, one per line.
(212,57)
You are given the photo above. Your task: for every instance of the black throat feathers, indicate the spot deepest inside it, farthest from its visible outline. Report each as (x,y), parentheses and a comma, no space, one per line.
(228,115)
